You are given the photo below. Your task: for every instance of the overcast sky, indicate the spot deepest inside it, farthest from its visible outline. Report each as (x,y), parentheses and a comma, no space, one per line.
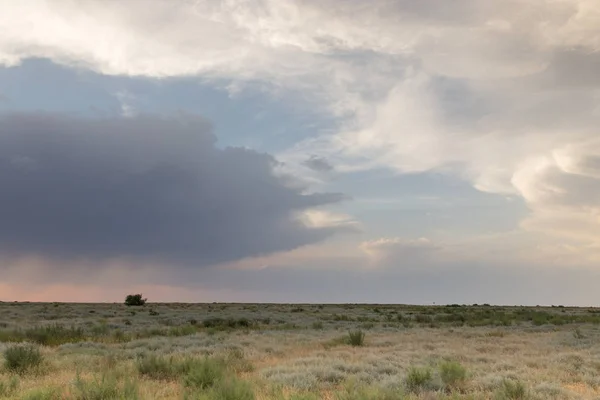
(300,151)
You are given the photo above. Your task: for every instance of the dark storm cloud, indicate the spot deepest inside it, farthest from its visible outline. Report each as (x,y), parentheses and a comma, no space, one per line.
(142,187)
(318,164)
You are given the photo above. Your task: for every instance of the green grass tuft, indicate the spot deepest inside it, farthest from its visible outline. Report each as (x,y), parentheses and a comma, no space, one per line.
(512,390)
(453,375)
(418,379)
(22,358)
(104,388)
(9,387)
(204,374)
(356,338)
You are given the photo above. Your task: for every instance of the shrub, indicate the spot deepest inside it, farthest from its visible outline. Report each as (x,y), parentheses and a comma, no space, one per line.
(135,300)
(356,338)
(578,334)
(355,391)
(317,325)
(225,324)
(512,390)
(453,374)
(423,318)
(236,361)
(50,335)
(196,373)
(107,387)
(184,330)
(418,379)
(55,335)
(232,389)
(156,367)
(204,374)
(21,358)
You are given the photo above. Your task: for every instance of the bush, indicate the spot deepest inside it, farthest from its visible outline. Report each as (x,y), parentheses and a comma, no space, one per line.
(50,335)
(355,391)
(157,367)
(107,387)
(22,358)
(453,374)
(356,338)
(423,319)
(204,374)
(196,373)
(418,379)
(135,300)
(512,390)
(578,334)
(184,330)
(226,324)
(232,389)
(237,362)
(55,335)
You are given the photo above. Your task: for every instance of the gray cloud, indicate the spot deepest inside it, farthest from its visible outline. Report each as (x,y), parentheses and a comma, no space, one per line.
(319,164)
(143,187)
(346,280)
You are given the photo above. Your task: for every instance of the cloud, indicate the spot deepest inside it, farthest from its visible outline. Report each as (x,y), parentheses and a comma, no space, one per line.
(400,252)
(413,271)
(318,164)
(344,280)
(503,95)
(126,101)
(323,218)
(143,188)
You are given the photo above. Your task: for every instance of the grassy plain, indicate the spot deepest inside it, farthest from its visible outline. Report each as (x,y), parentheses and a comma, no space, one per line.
(54,351)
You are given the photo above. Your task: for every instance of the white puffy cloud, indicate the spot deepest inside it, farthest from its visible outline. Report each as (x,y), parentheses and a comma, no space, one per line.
(503,94)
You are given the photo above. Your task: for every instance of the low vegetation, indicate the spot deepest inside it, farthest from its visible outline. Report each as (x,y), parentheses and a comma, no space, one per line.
(356,338)
(216,351)
(419,379)
(22,358)
(453,375)
(512,390)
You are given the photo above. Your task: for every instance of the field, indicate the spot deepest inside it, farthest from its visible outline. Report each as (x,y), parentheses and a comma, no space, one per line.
(297,352)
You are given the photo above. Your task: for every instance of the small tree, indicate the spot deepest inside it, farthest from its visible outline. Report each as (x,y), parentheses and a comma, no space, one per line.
(135,300)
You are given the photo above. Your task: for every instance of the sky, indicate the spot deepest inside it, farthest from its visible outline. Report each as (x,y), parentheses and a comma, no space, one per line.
(389,151)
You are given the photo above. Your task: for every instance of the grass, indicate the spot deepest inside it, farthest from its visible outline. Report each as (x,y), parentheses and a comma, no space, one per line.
(453,375)
(204,374)
(297,352)
(9,387)
(43,394)
(231,389)
(105,387)
(356,338)
(419,379)
(195,373)
(22,358)
(159,368)
(512,390)
(51,335)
